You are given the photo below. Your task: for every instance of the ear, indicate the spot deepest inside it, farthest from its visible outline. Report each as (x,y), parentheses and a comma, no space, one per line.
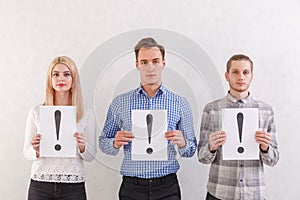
(137,65)
(164,63)
(226,76)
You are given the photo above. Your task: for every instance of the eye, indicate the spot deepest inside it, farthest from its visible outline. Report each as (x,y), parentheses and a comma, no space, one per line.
(67,74)
(156,61)
(143,62)
(55,74)
(246,72)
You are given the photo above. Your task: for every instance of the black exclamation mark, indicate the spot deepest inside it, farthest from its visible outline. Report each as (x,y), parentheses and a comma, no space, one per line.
(240,119)
(57,116)
(149,120)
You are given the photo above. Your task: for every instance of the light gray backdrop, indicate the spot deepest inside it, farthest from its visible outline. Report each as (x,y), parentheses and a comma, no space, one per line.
(33,32)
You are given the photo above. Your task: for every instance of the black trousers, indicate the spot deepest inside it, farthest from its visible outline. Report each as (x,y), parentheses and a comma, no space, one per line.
(163,188)
(56,191)
(211,197)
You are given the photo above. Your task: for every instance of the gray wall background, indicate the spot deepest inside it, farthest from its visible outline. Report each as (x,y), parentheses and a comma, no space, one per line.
(34,31)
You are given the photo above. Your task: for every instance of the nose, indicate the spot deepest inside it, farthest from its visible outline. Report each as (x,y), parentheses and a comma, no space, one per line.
(241,75)
(151,66)
(61,77)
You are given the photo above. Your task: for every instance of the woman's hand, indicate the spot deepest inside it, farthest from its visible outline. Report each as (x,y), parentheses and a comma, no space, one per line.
(81,140)
(35,142)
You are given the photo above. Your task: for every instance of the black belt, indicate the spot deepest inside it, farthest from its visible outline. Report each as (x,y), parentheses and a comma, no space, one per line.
(150,181)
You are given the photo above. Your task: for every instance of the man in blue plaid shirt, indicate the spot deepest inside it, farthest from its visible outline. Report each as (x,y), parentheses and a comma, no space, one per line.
(237,179)
(149,179)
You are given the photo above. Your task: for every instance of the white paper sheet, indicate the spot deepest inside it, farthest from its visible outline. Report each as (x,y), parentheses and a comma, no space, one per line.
(244,121)
(57,128)
(144,145)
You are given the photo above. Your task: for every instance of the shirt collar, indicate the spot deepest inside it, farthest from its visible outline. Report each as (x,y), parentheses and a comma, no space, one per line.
(161,90)
(235,100)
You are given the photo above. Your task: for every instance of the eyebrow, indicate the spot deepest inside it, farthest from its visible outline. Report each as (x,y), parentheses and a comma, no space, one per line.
(150,59)
(240,70)
(64,72)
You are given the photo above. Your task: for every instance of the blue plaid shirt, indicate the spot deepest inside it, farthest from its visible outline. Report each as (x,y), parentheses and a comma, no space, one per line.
(179,118)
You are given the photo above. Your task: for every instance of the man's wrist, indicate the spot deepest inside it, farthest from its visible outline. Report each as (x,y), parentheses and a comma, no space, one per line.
(211,151)
(183,145)
(114,146)
(264,151)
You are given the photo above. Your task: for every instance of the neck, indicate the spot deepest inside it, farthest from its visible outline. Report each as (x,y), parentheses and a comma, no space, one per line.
(151,89)
(239,95)
(62,99)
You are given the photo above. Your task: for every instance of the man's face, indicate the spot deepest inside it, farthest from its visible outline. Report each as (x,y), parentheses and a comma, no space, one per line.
(239,76)
(150,64)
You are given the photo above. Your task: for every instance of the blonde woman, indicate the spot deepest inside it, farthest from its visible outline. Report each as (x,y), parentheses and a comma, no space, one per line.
(53,177)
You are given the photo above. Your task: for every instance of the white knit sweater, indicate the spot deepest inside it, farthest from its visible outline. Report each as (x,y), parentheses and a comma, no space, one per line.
(66,170)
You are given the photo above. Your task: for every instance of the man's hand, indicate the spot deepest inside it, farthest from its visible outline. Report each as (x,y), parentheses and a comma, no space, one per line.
(264,139)
(216,139)
(122,138)
(176,137)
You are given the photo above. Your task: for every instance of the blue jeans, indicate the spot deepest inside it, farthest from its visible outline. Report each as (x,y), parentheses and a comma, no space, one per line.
(56,191)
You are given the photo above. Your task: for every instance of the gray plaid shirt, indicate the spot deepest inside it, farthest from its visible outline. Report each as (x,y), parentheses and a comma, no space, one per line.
(236,179)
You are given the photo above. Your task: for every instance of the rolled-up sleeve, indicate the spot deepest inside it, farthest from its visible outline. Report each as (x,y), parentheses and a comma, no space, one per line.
(272,156)
(187,129)
(204,154)
(111,127)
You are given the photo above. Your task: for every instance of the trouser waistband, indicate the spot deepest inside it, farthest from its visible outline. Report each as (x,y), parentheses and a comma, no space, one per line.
(152,181)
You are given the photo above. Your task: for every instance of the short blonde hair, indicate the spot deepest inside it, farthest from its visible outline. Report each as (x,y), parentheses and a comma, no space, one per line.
(76,94)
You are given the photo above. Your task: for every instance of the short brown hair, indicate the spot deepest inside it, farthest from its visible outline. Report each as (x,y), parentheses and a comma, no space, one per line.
(148,43)
(238,57)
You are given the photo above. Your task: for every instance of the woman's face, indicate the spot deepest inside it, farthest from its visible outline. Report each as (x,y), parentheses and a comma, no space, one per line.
(61,78)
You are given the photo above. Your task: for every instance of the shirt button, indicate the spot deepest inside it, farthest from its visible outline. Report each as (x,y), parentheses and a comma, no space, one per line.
(242,165)
(241,180)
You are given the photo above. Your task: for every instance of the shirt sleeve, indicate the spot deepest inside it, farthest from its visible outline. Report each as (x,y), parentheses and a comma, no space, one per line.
(30,131)
(111,126)
(185,125)
(272,156)
(90,132)
(204,154)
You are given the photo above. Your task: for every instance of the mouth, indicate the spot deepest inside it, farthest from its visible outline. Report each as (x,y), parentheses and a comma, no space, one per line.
(150,75)
(61,85)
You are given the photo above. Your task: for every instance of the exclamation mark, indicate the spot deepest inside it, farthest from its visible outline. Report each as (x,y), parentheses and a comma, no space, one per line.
(57,116)
(149,120)
(240,119)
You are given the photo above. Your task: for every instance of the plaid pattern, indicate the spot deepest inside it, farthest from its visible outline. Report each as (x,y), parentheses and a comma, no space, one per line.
(236,179)
(179,117)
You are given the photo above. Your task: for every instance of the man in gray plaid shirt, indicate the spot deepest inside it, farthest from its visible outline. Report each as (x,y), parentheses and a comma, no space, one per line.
(237,179)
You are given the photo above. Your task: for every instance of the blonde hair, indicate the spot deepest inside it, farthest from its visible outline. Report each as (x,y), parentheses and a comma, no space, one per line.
(76,95)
